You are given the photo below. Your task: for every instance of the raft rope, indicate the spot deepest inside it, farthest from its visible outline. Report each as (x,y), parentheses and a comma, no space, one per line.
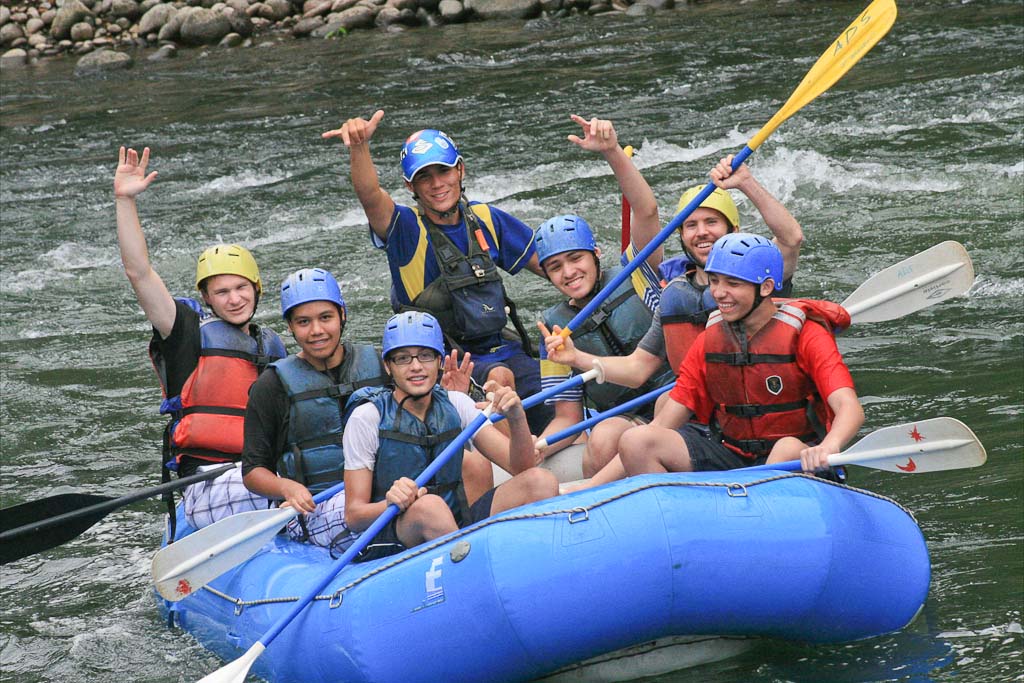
(574,514)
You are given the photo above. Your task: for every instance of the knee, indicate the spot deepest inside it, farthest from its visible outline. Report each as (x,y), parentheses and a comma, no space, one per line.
(635,442)
(539,483)
(430,513)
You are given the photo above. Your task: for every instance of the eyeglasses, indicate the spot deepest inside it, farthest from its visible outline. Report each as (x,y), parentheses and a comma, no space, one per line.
(406,358)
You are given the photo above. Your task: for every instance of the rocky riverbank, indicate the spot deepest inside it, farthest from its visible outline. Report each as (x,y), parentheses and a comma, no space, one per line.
(104,34)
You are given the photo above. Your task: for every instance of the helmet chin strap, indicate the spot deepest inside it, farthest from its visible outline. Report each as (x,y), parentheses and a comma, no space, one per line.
(758,298)
(443,214)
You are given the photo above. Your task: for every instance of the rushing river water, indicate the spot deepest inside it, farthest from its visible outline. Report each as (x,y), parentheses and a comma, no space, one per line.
(920,143)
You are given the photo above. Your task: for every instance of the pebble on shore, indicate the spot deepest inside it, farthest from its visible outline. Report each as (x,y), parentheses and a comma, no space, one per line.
(30,31)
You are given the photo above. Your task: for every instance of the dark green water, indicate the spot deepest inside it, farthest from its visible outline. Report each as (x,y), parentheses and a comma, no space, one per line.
(922,142)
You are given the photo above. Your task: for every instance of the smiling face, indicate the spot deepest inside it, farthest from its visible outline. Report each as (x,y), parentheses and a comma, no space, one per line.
(700,231)
(735,298)
(317,327)
(437,188)
(574,273)
(231,297)
(417,377)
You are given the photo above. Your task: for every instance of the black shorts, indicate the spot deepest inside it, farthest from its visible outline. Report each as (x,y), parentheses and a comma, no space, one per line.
(711,455)
(386,542)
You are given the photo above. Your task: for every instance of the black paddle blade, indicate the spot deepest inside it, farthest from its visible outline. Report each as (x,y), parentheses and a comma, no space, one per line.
(27,528)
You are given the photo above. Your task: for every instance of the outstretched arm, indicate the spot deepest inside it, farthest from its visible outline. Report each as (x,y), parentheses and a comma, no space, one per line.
(849,416)
(788,234)
(627,371)
(599,136)
(130,180)
(377,204)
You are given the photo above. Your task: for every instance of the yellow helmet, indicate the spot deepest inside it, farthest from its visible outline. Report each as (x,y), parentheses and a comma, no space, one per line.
(228,259)
(719,200)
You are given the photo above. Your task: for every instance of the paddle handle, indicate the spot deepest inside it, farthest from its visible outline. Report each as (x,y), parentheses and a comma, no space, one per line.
(611,412)
(371,532)
(644,254)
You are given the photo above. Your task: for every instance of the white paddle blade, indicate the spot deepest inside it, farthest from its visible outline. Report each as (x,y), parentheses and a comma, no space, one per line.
(933,445)
(236,671)
(934,275)
(189,564)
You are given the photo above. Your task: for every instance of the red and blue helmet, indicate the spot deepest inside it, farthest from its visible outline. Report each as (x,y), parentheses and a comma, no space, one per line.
(428,147)
(746,257)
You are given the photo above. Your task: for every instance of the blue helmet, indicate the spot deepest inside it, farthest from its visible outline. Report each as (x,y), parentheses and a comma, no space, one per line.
(746,257)
(412,328)
(309,284)
(427,148)
(561,234)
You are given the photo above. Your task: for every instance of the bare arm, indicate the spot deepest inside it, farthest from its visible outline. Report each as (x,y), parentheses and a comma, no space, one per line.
(377,204)
(567,414)
(788,233)
(130,180)
(359,511)
(627,371)
(262,481)
(849,416)
(599,136)
(519,445)
(672,415)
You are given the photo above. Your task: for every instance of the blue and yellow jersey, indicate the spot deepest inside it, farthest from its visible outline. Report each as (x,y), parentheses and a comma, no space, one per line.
(411,257)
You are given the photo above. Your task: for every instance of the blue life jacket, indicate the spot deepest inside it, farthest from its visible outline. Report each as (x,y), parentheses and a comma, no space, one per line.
(614,329)
(408,445)
(313,453)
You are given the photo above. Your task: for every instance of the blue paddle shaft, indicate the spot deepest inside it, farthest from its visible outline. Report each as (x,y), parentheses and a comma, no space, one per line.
(329,493)
(364,539)
(644,253)
(544,395)
(611,412)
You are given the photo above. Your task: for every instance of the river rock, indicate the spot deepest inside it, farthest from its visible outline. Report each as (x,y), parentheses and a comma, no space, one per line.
(640,9)
(147,5)
(48,16)
(15,57)
(124,8)
(155,18)
(276,9)
(82,31)
(303,27)
(5,14)
(168,51)
(503,9)
(102,61)
(240,22)
(204,27)
(342,5)
(10,32)
(231,40)
(451,10)
(360,16)
(659,4)
(37,40)
(317,8)
(34,25)
(67,16)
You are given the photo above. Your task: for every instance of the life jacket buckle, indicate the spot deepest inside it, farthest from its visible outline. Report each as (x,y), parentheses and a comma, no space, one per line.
(478,271)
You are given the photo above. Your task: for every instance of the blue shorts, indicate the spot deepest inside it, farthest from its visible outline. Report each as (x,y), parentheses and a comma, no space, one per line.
(526,370)
(386,542)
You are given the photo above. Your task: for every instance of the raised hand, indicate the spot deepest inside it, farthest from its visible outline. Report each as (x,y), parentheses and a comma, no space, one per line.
(598,135)
(357,131)
(724,177)
(457,376)
(130,178)
(560,349)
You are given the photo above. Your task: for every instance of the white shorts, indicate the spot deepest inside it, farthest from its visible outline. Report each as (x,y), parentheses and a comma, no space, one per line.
(210,501)
(326,526)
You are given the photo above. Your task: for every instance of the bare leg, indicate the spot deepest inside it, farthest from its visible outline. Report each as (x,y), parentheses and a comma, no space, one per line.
(603,444)
(426,519)
(786,448)
(526,487)
(502,376)
(650,448)
(477,475)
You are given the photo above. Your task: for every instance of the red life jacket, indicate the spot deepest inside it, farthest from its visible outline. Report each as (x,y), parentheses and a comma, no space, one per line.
(760,393)
(683,311)
(208,416)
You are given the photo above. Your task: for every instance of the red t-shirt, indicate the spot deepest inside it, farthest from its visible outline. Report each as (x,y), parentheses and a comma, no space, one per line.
(816,354)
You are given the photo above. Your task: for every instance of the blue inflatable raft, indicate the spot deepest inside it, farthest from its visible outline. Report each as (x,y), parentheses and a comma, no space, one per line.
(541,588)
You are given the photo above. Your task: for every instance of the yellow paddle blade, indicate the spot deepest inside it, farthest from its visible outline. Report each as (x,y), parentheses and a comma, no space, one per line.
(852,44)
